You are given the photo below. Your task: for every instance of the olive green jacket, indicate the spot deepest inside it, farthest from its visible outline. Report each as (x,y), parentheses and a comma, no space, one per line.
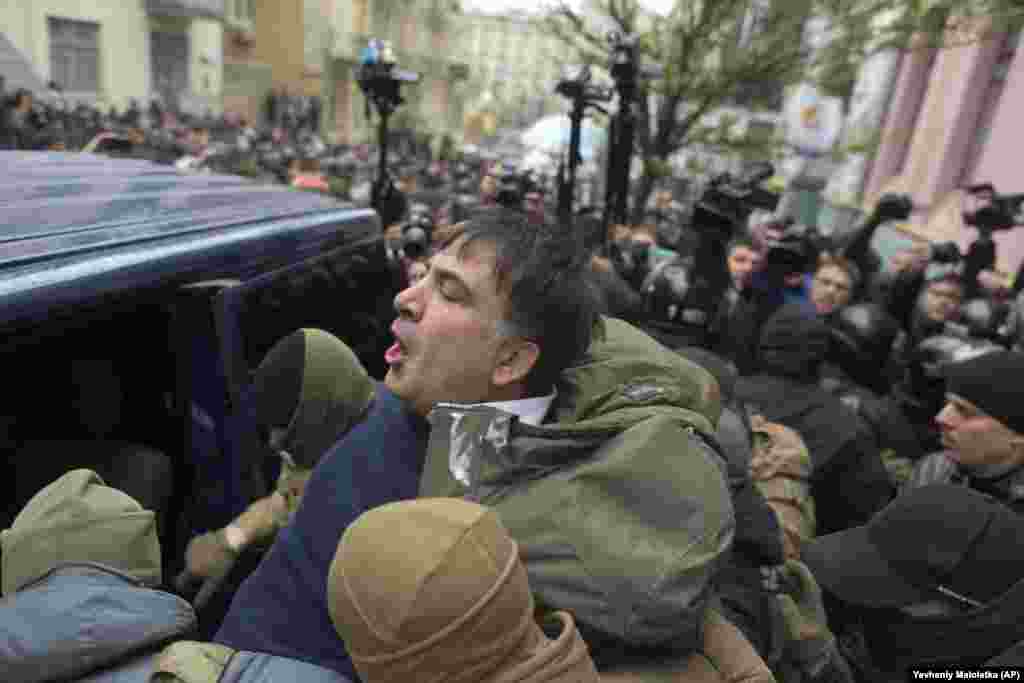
(618,501)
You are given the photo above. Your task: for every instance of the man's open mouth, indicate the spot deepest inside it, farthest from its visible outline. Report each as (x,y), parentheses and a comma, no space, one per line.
(398,351)
(395,353)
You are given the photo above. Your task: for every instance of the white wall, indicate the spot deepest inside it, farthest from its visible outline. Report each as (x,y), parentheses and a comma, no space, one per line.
(206,52)
(123,40)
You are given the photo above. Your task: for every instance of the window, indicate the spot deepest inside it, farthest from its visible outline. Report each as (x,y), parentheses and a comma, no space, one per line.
(74,55)
(241,12)
(360,17)
(990,104)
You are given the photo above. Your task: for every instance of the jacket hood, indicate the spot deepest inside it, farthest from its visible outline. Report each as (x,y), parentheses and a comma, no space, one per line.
(626,377)
(312,385)
(78,518)
(445,598)
(82,618)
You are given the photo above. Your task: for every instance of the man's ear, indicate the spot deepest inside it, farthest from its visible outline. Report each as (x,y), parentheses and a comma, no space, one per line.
(516,358)
(1017,447)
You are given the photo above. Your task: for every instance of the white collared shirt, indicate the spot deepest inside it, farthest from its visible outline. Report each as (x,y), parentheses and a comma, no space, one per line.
(531,411)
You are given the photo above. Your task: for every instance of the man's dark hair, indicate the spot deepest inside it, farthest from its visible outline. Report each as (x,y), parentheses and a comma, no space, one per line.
(540,268)
(740,241)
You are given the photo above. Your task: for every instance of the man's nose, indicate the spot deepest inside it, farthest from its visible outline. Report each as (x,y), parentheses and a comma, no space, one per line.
(946,419)
(407,301)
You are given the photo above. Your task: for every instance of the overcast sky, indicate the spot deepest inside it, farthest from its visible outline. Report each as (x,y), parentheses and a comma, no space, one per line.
(498,6)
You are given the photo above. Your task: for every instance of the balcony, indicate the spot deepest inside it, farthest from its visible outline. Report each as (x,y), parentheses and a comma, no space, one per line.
(208,9)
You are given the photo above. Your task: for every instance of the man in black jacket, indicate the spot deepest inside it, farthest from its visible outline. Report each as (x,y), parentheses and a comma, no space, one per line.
(982,427)
(848,482)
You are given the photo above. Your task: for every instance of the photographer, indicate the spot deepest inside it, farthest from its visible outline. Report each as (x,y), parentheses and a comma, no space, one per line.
(18,129)
(617,298)
(489,186)
(668,216)
(306,175)
(727,330)
(780,281)
(834,284)
(927,289)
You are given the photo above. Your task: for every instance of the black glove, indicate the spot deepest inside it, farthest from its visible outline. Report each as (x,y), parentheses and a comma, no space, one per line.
(893,207)
(945,252)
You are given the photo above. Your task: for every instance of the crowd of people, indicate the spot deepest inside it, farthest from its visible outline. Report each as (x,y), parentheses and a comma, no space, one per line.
(575,470)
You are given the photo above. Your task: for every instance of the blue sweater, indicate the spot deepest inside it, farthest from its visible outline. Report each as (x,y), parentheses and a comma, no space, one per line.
(281,609)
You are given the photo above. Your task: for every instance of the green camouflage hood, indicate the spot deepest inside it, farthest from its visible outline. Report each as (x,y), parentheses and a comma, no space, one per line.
(313,385)
(78,518)
(618,502)
(628,377)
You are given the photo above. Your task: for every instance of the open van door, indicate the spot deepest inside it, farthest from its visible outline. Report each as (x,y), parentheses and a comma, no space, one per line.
(218,430)
(224,328)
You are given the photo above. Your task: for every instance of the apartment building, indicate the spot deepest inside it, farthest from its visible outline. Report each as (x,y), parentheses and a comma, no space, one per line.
(108,52)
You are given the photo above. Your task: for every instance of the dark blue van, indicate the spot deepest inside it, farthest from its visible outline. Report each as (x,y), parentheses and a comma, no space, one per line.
(179,284)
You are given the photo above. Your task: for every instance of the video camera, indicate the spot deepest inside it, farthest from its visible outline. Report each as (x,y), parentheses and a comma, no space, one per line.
(1001,212)
(577,84)
(380,78)
(417,232)
(512,185)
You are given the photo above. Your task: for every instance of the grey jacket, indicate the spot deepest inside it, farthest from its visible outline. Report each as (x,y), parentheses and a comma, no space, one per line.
(87,620)
(91,624)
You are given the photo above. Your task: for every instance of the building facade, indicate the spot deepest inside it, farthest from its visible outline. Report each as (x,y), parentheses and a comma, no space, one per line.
(264,48)
(109,52)
(952,122)
(423,35)
(513,65)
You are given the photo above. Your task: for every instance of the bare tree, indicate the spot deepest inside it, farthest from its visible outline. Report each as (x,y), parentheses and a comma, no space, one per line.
(724,52)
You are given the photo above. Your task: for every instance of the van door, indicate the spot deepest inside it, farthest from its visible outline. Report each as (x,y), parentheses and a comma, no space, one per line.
(218,430)
(223,330)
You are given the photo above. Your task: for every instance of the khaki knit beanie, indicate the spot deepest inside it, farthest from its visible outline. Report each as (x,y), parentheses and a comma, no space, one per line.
(433,590)
(78,518)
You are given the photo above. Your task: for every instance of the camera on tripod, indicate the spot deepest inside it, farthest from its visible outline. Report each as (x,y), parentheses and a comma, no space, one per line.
(577,83)
(1000,212)
(625,65)
(380,78)
(513,187)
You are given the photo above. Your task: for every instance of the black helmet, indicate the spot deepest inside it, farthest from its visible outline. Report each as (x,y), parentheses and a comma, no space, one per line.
(665,293)
(789,254)
(984,318)
(925,378)
(862,337)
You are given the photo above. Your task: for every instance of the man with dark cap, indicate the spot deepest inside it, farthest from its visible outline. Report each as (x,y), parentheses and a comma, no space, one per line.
(983,427)
(308,391)
(936,579)
(848,481)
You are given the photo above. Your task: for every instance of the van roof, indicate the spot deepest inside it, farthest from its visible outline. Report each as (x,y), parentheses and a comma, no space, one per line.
(82,221)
